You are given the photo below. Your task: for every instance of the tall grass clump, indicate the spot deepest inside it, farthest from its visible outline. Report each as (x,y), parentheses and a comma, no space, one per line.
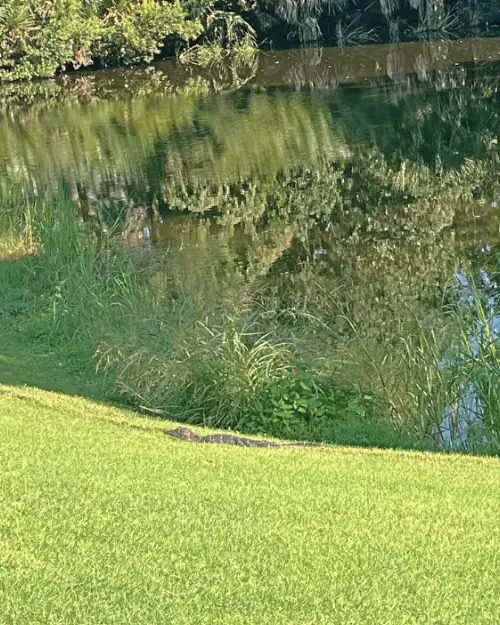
(473,418)
(82,273)
(405,374)
(438,374)
(209,373)
(16,248)
(16,224)
(62,276)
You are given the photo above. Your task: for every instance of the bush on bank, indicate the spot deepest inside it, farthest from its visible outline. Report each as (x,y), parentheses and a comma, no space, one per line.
(40,37)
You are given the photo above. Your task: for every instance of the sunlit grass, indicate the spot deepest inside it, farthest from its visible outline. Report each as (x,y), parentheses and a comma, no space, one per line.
(106,523)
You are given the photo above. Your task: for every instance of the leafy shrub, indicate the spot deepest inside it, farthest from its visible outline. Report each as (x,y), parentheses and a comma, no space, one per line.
(136,33)
(40,37)
(307,406)
(37,38)
(303,405)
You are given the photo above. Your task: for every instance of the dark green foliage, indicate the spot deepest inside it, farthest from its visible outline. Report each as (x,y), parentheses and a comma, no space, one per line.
(303,405)
(354,22)
(311,406)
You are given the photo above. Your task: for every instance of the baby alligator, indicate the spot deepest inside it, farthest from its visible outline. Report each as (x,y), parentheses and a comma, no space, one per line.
(186,434)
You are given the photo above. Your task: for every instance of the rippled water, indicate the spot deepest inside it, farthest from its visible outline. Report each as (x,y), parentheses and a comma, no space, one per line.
(378,154)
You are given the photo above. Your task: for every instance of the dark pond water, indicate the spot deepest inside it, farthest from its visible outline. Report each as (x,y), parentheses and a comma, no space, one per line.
(358,158)
(372,170)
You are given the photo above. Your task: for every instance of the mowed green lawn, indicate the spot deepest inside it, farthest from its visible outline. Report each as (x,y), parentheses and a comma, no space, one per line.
(102,523)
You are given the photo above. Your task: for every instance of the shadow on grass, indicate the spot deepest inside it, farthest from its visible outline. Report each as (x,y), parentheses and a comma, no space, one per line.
(21,365)
(28,359)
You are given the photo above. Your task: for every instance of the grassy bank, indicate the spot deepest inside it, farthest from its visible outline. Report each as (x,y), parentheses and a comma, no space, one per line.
(103,522)
(199,340)
(106,520)
(184,341)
